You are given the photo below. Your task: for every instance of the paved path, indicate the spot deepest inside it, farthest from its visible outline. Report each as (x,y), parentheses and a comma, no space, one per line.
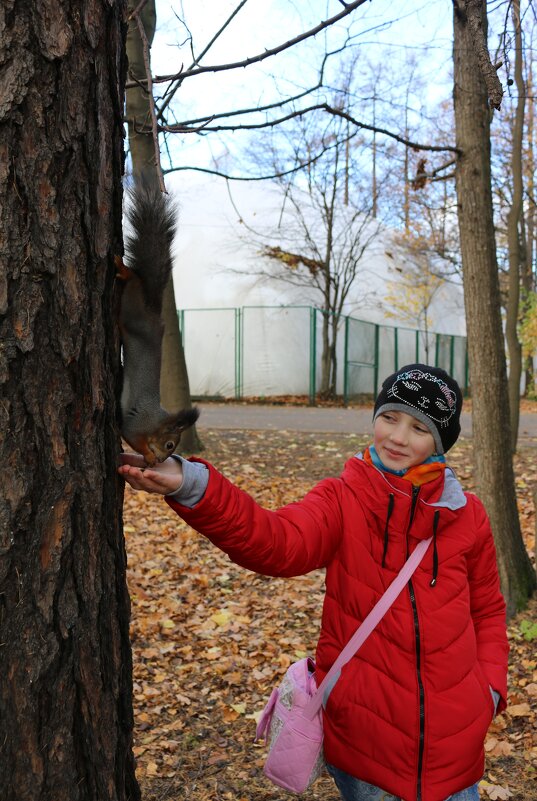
(314,419)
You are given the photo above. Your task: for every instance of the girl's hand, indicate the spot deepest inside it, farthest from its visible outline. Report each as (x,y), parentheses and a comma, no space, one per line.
(162,479)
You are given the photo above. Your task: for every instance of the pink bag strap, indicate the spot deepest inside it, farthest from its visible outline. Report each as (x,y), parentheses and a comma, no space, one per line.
(364,630)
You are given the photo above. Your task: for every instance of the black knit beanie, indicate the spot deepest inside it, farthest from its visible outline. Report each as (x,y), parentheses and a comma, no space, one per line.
(430,395)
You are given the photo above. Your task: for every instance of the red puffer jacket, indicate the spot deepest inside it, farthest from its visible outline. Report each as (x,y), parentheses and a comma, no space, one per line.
(410,711)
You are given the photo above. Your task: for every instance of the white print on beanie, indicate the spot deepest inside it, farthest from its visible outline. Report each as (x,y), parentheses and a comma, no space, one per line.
(426,392)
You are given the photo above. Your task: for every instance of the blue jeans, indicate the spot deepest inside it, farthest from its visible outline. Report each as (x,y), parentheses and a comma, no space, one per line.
(352,789)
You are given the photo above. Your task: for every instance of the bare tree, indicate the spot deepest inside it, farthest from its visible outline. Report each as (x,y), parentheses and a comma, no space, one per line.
(514,220)
(320,241)
(65,659)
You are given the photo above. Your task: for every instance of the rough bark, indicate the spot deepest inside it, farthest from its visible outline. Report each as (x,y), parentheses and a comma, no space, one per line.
(514,240)
(490,406)
(174,385)
(65,659)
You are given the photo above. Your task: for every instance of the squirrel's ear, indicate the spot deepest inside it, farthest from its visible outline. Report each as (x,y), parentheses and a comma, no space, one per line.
(185,418)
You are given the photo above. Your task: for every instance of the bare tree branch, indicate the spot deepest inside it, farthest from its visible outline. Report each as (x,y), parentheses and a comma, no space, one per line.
(201,121)
(301,166)
(349,8)
(171,92)
(336,112)
(137,10)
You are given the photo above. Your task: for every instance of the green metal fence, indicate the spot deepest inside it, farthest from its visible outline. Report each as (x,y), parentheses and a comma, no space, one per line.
(276,350)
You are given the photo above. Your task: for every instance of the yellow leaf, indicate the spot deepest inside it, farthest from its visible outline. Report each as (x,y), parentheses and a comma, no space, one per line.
(167,624)
(221,618)
(152,769)
(240,708)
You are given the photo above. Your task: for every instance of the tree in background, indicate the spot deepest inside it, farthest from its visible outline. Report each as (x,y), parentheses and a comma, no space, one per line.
(65,660)
(326,224)
(516,253)
(514,201)
(411,295)
(145,157)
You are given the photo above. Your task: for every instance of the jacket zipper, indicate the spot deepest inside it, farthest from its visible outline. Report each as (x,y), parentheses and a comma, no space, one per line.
(415,494)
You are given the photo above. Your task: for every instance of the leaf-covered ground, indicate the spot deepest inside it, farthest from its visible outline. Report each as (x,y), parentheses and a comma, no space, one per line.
(210,639)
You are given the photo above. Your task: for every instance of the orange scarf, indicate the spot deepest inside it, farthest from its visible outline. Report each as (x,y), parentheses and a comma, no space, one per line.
(418,474)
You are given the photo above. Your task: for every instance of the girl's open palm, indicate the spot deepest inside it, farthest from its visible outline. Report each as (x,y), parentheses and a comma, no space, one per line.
(162,479)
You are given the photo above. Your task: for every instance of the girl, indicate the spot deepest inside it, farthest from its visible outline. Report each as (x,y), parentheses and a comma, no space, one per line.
(408,716)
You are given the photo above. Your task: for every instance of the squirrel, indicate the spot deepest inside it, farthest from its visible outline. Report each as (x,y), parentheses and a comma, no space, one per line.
(145,425)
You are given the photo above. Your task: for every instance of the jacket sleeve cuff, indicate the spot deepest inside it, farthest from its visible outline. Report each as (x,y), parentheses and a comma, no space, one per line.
(195,480)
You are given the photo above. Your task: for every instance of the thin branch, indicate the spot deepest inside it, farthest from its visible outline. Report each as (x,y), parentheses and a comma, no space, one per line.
(349,8)
(137,10)
(431,177)
(241,112)
(407,142)
(180,128)
(438,178)
(170,94)
(248,178)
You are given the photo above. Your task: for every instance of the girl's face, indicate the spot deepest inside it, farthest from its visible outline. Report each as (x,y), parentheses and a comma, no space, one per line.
(401,441)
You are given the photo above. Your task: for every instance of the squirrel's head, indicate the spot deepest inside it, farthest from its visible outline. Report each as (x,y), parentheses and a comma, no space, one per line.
(163,441)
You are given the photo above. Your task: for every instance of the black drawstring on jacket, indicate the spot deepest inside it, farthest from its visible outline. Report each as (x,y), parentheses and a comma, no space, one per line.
(390,510)
(435,550)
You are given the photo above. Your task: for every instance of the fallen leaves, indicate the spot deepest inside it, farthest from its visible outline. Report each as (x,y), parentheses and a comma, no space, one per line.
(210,640)
(495,792)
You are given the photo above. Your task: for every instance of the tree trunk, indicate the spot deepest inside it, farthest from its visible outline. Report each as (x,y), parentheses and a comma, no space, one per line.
(141,142)
(513,240)
(529,219)
(65,659)
(174,385)
(324,389)
(490,406)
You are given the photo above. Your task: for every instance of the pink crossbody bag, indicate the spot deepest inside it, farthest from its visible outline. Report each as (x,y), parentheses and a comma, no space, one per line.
(292,722)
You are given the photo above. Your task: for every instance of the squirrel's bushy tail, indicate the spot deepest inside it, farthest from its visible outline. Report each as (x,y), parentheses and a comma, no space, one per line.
(153,219)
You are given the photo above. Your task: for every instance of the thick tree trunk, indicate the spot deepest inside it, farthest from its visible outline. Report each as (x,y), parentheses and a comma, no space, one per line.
(490,407)
(65,659)
(174,385)
(513,240)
